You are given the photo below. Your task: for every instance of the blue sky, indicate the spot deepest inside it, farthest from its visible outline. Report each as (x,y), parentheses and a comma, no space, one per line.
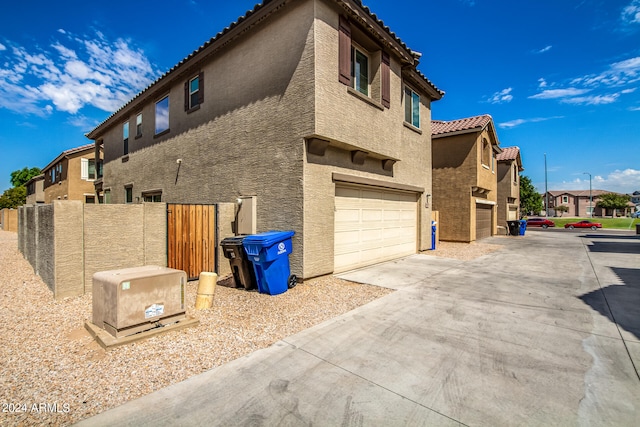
(560,78)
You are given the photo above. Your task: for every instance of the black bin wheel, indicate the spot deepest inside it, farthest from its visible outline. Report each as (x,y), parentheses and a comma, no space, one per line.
(292,282)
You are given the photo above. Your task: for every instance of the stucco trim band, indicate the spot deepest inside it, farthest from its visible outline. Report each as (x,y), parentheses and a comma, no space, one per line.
(352,179)
(485,202)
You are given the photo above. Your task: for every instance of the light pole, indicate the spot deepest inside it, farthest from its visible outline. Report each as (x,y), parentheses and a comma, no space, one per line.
(590,200)
(546,190)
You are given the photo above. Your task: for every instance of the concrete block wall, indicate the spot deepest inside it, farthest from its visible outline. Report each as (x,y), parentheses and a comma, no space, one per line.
(66,242)
(9,219)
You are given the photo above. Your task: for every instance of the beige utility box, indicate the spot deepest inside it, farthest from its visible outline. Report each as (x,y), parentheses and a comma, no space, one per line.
(133,300)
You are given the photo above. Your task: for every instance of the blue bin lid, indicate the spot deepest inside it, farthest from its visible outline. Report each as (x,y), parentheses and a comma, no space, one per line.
(269,238)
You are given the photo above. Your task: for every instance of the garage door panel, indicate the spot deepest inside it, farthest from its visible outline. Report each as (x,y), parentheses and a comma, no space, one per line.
(483,221)
(384,228)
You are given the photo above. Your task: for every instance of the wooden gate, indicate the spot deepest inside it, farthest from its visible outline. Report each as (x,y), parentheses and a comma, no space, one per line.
(191,238)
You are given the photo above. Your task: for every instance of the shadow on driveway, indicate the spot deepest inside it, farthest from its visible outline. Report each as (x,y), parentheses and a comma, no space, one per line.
(623,299)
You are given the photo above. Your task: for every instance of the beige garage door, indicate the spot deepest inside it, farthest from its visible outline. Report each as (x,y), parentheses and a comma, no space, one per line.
(483,221)
(373,225)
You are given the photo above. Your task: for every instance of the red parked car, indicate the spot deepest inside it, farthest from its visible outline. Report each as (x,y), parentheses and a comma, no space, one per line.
(540,222)
(583,224)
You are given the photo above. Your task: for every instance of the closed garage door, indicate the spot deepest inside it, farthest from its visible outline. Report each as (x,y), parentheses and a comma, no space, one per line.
(373,225)
(483,221)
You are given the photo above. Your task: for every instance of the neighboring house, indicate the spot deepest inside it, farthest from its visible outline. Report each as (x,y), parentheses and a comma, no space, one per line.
(635,198)
(35,190)
(577,202)
(313,110)
(70,176)
(464,177)
(509,168)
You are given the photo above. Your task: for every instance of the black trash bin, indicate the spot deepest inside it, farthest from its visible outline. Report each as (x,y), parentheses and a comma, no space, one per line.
(241,266)
(514,228)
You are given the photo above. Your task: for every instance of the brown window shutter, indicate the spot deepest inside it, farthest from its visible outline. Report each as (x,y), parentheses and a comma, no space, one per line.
(201,87)
(386,79)
(186,95)
(344,50)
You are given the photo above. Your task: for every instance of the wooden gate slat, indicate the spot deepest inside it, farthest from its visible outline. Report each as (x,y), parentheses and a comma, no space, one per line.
(191,238)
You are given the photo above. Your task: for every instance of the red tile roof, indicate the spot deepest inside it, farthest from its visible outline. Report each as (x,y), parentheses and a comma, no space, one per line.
(439,127)
(508,153)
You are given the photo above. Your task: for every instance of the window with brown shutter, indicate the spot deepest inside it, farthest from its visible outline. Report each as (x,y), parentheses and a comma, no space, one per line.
(344,51)
(194,92)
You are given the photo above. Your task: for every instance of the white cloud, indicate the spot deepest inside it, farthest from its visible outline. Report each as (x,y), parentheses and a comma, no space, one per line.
(631,13)
(75,73)
(559,93)
(544,49)
(634,109)
(502,96)
(616,79)
(517,122)
(2,47)
(592,100)
(619,181)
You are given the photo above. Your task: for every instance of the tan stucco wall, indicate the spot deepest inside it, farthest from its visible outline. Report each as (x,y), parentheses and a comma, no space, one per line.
(349,122)
(265,94)
(457,167)
(38,196)
(507,188)
(245,140)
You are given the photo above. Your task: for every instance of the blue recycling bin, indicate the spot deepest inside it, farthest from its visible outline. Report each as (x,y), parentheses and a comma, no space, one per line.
(433,235)
(523,227)
(269,253)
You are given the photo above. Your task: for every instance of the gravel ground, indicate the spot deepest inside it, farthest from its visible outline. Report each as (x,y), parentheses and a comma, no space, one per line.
(54,373)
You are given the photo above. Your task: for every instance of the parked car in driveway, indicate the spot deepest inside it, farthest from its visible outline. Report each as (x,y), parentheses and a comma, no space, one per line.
(583,224)
(635,215)
(540,222)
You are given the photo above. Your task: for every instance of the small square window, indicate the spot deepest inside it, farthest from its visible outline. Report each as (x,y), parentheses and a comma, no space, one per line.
(162,115)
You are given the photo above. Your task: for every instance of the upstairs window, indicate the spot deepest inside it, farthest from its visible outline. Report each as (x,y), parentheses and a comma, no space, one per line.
(411,107)
(486,153)
(162,115)
(88,169)
(139,125)
(360,70)
(194,92)
(128,194)
(125,138)
(362,65)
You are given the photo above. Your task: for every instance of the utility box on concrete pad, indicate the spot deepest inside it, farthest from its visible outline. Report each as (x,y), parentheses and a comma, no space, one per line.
(134,300)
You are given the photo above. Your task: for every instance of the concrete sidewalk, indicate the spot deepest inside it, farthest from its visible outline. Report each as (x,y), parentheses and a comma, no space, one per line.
(545,331)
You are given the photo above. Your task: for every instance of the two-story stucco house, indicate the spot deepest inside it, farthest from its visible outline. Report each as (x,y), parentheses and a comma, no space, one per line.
(35,190)
(71,175)
(509,168)
(312,107)
(464,177)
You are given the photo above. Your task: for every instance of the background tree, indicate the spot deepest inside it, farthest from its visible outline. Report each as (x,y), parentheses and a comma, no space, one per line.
(613,201)
(530,199)
(13,197)
(20,177)
(562,209)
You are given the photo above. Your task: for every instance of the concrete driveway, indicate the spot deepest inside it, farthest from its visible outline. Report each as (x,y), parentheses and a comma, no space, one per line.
(545,331)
